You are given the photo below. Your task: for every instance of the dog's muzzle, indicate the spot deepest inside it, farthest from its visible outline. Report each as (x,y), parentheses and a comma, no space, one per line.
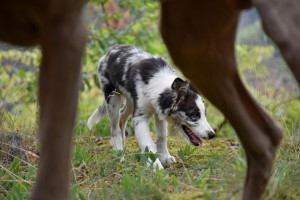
(194,139)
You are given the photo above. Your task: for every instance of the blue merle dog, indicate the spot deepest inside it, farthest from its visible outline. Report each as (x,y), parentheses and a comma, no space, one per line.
(147,86)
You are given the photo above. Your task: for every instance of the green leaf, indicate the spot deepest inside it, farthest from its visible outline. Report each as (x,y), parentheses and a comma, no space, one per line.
(96,80)
(153,156)
(81,195)
(181,154)
(21,74)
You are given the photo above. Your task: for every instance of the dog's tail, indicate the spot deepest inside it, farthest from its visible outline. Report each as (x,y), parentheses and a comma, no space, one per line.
(97,116)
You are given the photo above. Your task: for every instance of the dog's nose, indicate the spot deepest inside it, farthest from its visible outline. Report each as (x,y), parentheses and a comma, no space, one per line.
(211,134)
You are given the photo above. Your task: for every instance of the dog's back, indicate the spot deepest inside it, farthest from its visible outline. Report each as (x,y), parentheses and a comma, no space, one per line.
(126,67)
(128,70)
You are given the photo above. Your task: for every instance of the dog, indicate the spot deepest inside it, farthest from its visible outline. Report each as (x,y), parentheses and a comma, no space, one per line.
(150,87)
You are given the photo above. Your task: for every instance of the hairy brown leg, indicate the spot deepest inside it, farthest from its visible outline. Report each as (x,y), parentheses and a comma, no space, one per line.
(200,38)
(281,23)
(62,47)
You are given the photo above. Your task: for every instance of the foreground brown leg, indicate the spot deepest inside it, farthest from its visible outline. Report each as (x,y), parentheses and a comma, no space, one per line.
(281,23)
(62,47)
(200,38)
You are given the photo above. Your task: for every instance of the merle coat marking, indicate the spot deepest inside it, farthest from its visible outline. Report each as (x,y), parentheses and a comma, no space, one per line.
(150,87)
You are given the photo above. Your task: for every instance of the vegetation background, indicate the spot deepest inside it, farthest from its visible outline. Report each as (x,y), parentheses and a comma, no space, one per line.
(214,171)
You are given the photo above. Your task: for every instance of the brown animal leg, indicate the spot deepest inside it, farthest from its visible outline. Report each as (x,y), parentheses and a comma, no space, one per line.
(62,48)
(281,23)
(200,38)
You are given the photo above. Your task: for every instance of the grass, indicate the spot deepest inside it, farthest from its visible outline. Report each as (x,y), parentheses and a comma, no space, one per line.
(214,171)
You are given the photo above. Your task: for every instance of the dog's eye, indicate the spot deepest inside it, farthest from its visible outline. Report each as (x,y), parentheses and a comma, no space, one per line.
(195,116)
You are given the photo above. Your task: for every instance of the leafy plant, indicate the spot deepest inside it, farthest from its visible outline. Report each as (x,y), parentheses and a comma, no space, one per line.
(146,156)
(186,153)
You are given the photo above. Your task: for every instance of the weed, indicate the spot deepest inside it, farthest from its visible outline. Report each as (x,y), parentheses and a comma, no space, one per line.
(186,153)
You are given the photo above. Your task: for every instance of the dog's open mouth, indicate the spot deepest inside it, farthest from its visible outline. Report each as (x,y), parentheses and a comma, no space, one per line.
(193,138)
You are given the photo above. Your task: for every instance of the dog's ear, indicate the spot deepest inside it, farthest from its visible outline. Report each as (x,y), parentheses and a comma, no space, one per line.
(181,89)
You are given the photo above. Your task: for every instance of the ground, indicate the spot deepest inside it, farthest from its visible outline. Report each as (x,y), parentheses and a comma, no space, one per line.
(214,171)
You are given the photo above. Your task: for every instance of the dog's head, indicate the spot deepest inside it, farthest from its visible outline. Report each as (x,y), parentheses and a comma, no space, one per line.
(188,113)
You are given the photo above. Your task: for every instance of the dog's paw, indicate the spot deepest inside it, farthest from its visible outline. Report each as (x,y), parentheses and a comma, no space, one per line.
(117,143)
(166,159)
(155,165)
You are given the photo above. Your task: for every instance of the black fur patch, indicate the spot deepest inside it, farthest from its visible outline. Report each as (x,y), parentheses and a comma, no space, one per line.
(165,100)
(190,107)
(108,89)
(114,70)
(130,83)
(148,67)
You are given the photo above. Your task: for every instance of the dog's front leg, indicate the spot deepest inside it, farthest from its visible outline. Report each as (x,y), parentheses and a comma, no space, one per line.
(142,133)
(62,48)
(161,143)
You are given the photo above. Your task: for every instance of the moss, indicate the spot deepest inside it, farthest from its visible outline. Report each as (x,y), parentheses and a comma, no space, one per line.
(186,195)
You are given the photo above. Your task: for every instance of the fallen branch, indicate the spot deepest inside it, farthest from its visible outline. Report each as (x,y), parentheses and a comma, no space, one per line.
(220,125)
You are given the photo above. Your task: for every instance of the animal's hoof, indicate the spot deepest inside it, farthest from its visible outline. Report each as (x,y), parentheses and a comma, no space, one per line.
(167,160)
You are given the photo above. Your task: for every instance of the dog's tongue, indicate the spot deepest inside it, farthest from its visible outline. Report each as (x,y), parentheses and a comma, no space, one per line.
(195,140)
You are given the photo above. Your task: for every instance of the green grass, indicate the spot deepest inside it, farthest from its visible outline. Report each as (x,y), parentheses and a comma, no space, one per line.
(214,171)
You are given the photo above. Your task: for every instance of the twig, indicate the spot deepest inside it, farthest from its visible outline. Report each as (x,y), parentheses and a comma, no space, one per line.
(104,11)
(220,125)
(109,27)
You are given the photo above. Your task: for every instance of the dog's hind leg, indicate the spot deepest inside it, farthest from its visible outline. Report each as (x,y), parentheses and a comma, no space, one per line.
(113,103)
(124,114)
(200,38)
(161,142)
